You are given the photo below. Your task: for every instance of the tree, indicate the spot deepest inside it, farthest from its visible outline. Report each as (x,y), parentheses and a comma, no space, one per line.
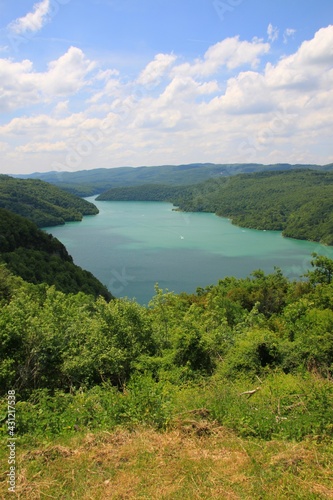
(323,272)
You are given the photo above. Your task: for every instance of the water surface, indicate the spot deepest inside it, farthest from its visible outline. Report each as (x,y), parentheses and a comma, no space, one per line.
(130,246)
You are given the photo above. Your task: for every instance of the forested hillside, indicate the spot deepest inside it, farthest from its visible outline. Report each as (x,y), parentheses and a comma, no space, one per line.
(298,203)
(98,180)
(40,258)
(147,192)
(42,203)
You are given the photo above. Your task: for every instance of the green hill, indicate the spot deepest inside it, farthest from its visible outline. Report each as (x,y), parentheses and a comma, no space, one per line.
(42,203)
(38,257)
(298,203)
(146,192)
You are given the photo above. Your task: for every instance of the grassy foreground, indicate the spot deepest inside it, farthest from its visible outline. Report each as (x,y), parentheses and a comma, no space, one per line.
(195,459)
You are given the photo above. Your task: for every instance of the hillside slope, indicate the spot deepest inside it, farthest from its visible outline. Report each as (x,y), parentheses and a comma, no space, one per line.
(298,203)
(42,203)
(38,257)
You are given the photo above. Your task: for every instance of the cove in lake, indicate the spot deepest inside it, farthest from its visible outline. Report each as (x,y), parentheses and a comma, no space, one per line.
(130,246)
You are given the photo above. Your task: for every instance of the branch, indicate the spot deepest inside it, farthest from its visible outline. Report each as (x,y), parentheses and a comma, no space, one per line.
(250,393)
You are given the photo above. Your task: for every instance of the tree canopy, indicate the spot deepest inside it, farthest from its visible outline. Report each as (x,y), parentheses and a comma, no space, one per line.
(42,203)
(38,257)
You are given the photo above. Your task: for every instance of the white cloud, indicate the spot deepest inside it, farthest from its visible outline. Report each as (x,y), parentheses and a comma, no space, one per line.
(67,74)
(21,86)
(319,50)
(186,88)
(107,74)
(156,69)
(231,53)
(61,108)
(39,147)
(306,68)
(289,32)
(4,146)
(272,32)
(33,21)
(16,87)
(246,94)
(111,89)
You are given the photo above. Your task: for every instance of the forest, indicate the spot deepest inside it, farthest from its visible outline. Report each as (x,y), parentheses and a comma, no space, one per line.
(38,257)
(41,202)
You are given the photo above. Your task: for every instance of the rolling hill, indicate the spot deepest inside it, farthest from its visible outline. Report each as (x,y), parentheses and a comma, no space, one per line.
(38,258)
(96,181)
(41,202)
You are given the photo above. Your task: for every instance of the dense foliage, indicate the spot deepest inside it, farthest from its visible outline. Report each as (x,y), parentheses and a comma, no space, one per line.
(42,203)
(98,180)
(147,192)
(77,362)
(297,202)
(38,257)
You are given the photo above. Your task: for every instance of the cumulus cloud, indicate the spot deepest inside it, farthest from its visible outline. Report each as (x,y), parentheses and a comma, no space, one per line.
(185,88)
(231,53)
(33,21)
(21,86)
(156,69)
(16,87)
(67,74)
(307,67)
(319,50)
(246,94)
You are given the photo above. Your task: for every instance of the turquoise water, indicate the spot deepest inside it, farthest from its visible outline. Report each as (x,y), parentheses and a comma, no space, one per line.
(130,246)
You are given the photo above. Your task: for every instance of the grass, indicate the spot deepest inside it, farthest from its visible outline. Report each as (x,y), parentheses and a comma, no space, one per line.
(206,440)
(193,459)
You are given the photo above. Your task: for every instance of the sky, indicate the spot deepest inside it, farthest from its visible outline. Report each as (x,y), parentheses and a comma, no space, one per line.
(107,83)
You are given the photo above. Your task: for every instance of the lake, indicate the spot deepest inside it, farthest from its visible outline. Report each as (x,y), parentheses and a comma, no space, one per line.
(130,246)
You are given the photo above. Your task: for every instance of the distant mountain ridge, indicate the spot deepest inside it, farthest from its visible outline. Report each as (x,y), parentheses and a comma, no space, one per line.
(96,181)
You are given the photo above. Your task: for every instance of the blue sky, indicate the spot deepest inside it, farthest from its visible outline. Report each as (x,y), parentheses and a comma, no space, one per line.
(106,83)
